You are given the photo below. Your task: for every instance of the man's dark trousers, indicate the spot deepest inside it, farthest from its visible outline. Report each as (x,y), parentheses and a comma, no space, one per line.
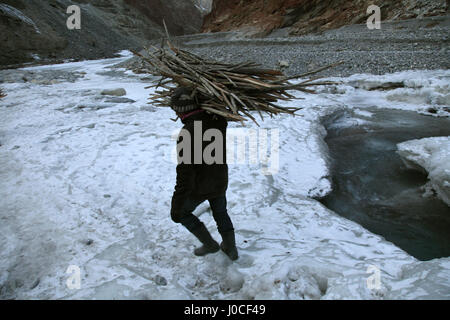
(219,210)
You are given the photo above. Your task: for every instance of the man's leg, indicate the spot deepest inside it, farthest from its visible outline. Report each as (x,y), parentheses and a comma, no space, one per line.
(198,229)
(188,219)
(224,225)
(220,214)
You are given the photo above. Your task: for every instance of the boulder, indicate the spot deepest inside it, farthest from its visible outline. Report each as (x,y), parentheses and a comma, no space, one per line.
(114,92)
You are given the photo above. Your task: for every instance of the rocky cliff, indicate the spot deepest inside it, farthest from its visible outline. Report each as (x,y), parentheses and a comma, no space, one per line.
(182,17)
(260,17)
(33,30)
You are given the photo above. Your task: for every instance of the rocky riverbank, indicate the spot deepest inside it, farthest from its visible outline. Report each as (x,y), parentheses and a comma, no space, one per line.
(416,44)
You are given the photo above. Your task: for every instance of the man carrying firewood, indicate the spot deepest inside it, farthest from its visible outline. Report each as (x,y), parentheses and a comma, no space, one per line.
(198,179)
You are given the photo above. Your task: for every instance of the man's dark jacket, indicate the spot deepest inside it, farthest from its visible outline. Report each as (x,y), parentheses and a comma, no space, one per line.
(200,181)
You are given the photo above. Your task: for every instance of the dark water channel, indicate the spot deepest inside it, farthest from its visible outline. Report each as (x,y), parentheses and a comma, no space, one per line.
(373,187)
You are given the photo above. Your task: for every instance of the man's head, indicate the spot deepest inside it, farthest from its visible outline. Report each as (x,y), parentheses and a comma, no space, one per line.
(181,100)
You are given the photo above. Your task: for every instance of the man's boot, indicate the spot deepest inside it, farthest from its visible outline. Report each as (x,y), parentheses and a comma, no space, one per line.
(228,245)
(209,244)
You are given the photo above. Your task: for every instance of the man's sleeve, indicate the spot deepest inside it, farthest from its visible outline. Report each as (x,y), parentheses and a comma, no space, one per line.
(183,188)
(185,182)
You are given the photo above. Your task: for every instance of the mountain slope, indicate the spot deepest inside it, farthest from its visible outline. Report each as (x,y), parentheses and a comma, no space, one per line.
(260,17)
(35,29)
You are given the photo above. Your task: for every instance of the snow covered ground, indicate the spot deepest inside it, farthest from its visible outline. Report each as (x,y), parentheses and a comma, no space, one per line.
(86,181)
(433,156)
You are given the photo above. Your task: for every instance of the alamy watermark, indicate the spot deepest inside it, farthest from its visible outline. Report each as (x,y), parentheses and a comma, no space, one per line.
(374,21)
(74,280)
(243,146)
(74,20)
(374,280)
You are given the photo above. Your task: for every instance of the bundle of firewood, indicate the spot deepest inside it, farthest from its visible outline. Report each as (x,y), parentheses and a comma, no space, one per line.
(233,91)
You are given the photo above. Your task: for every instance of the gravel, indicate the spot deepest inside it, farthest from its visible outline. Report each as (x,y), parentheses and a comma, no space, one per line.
(404,45)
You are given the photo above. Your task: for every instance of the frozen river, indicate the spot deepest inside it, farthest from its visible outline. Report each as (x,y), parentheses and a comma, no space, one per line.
(86,182)
(373,187)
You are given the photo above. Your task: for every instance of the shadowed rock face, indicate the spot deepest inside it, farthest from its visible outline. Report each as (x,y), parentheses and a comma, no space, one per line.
(260,17)
(33,30)
(181,17)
